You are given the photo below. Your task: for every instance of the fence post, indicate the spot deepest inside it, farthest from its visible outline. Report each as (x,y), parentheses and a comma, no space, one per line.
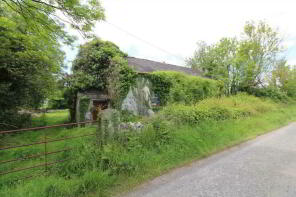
(45,147)
(45,152)
(99,132)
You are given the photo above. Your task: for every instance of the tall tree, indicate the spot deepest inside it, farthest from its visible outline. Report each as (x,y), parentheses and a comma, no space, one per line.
(28,67)
(258,53)
(284,78)
(218,61)
(28,63)
(241,64)
(30,55)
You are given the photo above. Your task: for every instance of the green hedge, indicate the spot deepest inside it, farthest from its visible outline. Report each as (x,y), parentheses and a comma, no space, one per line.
(233,107)
(270,92)
(176,87)
(11,119)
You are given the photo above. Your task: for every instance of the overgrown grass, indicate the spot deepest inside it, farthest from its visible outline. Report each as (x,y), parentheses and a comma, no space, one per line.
(224,108)
(29,137)
(164,144)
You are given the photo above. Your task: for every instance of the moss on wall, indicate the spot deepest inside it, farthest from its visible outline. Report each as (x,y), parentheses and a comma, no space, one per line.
(138,99)
(83,107)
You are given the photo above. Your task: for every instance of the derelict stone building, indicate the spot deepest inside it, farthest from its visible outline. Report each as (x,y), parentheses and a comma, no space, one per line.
(139,99)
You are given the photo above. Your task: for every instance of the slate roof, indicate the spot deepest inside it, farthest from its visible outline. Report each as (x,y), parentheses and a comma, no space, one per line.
(146,66)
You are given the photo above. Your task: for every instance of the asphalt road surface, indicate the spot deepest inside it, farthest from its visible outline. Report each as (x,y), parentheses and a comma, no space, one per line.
(264,167)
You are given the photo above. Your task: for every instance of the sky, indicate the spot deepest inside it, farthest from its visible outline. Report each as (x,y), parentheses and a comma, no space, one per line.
(168,30)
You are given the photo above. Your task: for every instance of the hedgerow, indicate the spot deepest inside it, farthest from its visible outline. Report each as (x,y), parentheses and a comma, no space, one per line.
(176,87)
(273,93)
(233,107)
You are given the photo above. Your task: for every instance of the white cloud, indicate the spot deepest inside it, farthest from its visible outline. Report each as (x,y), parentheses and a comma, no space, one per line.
(176,25)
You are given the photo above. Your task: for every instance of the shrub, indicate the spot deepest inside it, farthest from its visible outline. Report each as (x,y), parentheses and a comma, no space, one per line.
(11,119)
(171,87)
(127,116)
(57,104)
(270,92)
(156,134)
(224,108)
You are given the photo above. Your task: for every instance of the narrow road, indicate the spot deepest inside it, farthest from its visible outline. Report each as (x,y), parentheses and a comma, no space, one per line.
(264,167)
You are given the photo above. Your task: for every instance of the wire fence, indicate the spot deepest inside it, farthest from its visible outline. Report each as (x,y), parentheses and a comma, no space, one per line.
(43,154)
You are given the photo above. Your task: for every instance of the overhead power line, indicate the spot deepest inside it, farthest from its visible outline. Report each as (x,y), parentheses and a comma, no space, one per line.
(145,41)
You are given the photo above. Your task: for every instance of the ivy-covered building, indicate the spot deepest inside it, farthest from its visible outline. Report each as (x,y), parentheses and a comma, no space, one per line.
(141,96)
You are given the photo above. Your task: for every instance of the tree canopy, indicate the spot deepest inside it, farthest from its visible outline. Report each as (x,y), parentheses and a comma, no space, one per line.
(102,66)
(51,16)
(94,63)
(242,64)
(284,77)
(31,33)
(28,63)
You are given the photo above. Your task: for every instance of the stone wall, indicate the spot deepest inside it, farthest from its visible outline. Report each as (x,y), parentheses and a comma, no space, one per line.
(82,110)
(138,99)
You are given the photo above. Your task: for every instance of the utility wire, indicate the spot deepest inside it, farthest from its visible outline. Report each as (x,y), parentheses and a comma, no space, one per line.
(141,39)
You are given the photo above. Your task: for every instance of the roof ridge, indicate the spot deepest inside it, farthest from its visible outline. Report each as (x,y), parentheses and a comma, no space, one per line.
(157,62)
(145,65)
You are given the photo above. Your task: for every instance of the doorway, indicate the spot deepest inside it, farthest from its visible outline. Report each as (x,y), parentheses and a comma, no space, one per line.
(98,105)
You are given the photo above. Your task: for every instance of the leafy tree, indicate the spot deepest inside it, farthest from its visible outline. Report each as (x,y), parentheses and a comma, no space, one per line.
(30,57)
(218,61)
(203,60)
(51,16)
(241,64)
(94,60)
(102,66)
(284,78)
(29,65)
(56,99)
(290,85)
(258,53)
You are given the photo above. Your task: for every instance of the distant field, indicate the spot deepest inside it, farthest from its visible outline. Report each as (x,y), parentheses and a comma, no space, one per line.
(56,117)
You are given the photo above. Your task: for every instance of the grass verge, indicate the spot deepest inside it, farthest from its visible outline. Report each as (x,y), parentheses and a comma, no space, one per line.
(195,142)
(132,158)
